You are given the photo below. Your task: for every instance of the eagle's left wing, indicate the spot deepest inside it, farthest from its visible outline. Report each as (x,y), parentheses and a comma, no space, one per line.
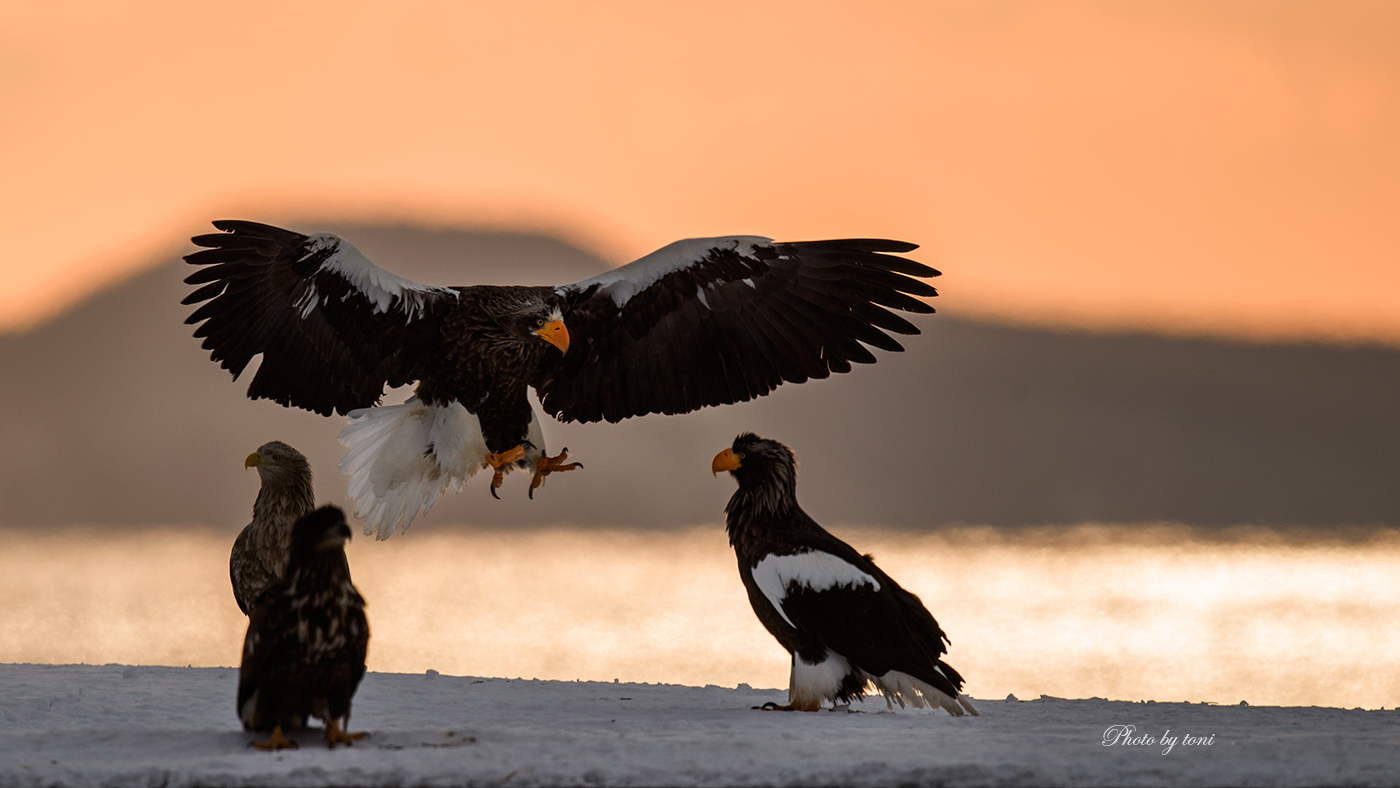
(713,321)
(332,327)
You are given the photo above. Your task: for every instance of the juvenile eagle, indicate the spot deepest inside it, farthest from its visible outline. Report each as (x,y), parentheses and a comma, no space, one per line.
(846,623)
(307,639)
(701,322)
(259,555)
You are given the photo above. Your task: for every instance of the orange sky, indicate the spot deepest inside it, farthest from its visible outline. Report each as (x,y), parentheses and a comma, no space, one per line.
(1191,166)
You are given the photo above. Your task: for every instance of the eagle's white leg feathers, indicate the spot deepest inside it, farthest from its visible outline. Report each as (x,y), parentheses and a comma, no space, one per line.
(401,457)
(535,435)
(809,685)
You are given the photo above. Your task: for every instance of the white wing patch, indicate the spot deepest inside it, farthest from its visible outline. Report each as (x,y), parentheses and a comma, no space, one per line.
(382,288)
(813,569)
(402,457)
(626,281)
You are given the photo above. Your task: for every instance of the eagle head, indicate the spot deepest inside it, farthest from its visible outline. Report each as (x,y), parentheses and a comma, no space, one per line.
(323,529)
(276,460)
(754,461)
(550,328)
(529,316)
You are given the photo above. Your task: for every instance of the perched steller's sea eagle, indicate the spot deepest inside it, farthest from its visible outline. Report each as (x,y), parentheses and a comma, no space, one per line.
(702,322)
(307,639)
(846,623)
(259,556)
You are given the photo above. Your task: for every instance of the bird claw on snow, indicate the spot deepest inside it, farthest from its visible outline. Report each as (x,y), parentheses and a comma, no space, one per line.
(334,735)
(773,706)
(276,742)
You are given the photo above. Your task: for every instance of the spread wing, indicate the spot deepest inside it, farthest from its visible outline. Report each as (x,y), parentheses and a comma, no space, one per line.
(332,327)
(714,321)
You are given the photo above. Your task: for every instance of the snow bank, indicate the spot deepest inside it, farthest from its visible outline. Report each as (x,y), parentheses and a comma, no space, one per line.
(80,725)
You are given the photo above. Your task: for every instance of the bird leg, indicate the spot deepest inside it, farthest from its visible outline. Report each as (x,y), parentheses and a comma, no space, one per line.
(334,735)
(499,463)
(277,742)
(545,465)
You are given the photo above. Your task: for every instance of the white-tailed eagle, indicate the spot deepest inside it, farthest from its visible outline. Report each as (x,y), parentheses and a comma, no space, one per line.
(845,622)
(304,654)
(259,556)
(701,322)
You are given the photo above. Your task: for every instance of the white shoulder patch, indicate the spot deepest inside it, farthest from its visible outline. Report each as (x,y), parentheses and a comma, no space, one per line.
(626,281)
(813,569)
(382,288)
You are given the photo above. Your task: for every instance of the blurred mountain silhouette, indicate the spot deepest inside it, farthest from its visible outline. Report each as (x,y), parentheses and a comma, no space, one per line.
(112,414)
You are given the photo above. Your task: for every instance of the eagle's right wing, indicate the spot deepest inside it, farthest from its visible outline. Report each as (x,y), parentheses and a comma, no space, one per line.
(712,321)
(332,327)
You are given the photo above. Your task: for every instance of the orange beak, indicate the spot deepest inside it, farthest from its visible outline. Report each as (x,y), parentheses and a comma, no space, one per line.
(724,461)
(555,334)
(253,460)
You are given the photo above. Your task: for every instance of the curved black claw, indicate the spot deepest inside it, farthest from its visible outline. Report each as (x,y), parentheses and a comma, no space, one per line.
(493,493)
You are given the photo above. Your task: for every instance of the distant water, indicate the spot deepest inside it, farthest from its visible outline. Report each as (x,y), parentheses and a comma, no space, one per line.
(1161,613)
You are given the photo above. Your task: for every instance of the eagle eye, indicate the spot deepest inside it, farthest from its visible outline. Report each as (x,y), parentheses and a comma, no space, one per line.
(539,323)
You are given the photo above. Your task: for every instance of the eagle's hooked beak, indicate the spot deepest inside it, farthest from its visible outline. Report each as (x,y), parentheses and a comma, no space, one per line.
(254,460)
(555,334)
(724,461)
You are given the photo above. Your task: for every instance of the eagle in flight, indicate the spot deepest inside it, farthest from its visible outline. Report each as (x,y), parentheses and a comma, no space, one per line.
(707,321)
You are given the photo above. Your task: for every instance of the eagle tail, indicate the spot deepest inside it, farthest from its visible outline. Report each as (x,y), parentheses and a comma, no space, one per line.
(402,457)
(902,688)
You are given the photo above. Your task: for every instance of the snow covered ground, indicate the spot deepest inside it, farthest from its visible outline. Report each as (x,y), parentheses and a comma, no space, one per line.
(82,725)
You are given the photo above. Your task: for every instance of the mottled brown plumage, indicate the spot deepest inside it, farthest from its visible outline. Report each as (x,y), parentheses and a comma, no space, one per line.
(259,556)
(304,654)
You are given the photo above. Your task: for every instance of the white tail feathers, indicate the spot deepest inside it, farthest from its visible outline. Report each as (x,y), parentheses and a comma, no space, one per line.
(903,688)
(401,458)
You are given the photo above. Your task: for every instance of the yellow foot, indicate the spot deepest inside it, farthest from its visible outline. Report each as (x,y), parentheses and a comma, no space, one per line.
(277,742)
(771,706)
(545,465)
(499,463)
(334,735)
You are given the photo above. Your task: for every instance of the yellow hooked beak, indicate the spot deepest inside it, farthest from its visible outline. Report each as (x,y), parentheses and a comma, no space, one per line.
(726,460)
(254,460)
(555,334)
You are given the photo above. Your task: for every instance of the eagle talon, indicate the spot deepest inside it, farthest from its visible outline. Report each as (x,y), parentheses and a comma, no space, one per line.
(334,735)
(277,742)
(500,462)
(545,465)
(773,706)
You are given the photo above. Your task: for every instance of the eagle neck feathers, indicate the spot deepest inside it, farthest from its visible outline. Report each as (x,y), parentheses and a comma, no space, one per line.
(279,505)
(761,513)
